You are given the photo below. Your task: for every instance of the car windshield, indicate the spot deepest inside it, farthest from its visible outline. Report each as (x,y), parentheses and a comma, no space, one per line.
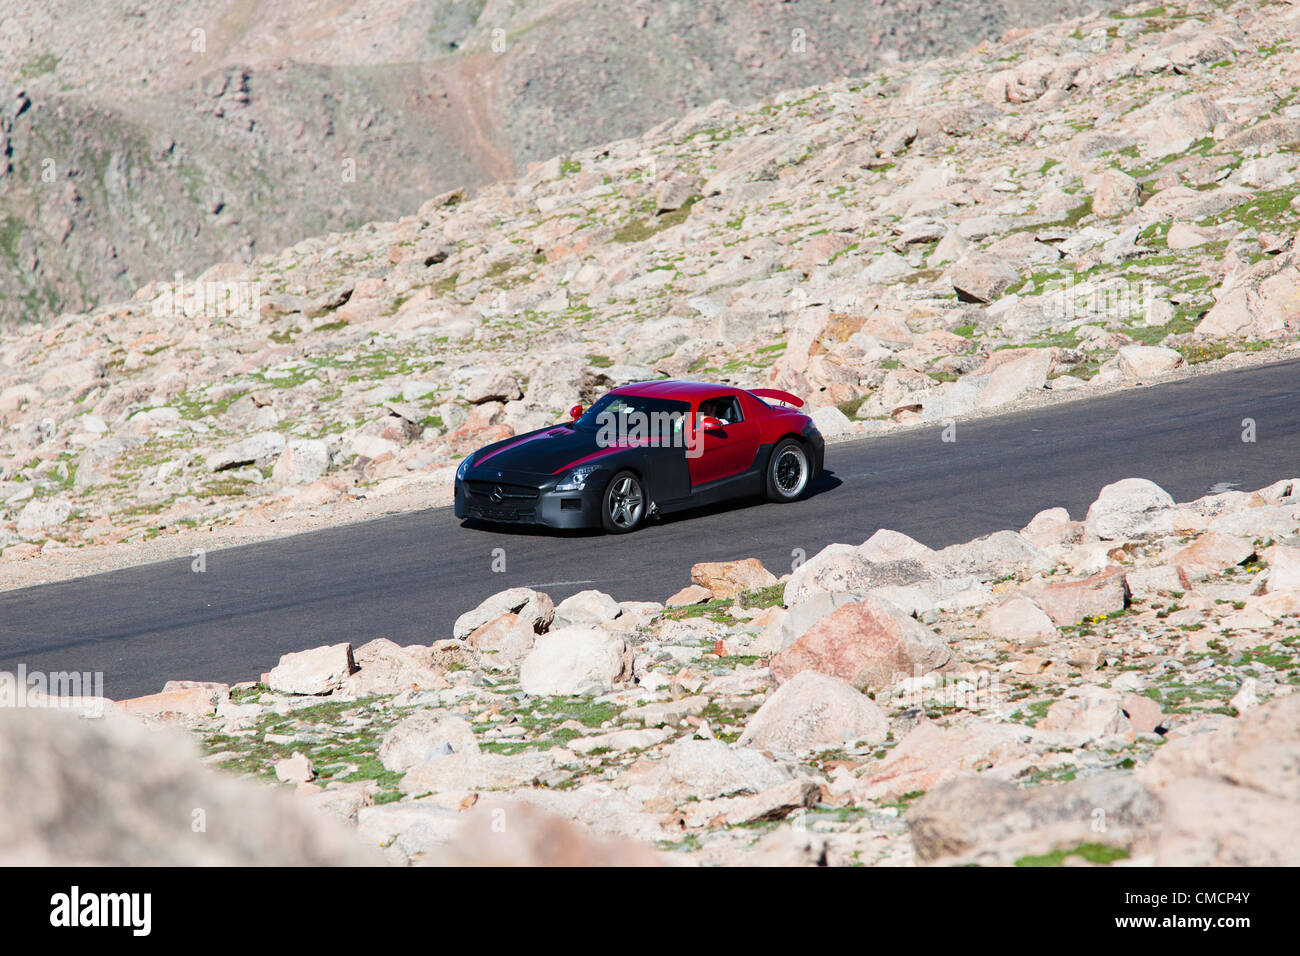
(633,417)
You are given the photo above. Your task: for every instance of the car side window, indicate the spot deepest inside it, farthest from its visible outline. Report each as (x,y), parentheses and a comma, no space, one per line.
(725,408)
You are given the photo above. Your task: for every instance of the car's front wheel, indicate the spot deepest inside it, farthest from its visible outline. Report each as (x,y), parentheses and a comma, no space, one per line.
(788,471)
(624,503)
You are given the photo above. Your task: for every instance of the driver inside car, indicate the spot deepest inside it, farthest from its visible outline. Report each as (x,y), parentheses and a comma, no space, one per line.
(723,409)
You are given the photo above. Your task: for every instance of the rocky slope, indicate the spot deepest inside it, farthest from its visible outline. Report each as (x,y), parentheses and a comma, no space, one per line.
(141,138)
(1070,209)
(1114,687)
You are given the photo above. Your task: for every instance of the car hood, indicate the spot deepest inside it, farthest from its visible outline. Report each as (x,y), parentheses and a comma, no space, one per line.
(543,452)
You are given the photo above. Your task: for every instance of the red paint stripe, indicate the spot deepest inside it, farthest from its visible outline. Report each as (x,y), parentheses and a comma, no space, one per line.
(582,461)
(608,451)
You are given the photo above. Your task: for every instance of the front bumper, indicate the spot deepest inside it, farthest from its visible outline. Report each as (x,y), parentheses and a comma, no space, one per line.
(521,501)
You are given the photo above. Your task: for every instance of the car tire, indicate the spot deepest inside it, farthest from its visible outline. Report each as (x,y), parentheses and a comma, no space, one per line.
(788,471)
(623,506)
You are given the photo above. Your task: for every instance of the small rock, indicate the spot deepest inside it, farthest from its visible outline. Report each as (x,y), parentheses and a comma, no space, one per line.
(691,594)
(295,769)
(1115,194)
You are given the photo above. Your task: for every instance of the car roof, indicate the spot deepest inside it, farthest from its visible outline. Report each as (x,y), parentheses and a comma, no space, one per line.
(674,389)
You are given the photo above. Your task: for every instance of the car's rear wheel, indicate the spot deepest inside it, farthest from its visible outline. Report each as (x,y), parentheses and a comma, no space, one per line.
(623,506)
(788,471)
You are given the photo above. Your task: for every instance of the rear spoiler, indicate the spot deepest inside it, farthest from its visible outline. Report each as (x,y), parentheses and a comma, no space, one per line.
(780,396)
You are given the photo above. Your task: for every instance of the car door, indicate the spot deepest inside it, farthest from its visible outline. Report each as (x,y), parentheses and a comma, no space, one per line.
(726,451)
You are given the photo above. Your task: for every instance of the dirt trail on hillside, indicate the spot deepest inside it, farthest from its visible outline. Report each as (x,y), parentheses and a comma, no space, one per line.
(469,84)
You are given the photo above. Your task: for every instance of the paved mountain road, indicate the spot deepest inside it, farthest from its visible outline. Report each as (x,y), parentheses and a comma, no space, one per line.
(408,576)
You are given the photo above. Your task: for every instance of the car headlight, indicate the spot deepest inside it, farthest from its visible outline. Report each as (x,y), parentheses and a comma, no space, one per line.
(576,480)
(464,468)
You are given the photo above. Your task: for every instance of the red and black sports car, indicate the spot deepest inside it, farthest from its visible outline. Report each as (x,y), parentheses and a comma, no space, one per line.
(643,450)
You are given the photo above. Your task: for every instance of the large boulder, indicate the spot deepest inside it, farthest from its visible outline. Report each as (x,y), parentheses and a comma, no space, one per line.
(587,608)
(320,670)
(1131,508)
(1142,362)
(866,643)
(115,792)
(1069,602)
(458,772)
(700,770)
(814,711)
(972,819)
(503,642)
(95,464)
(981,279)
(259,448)
(830,421)
(41,513)
(195,698)
(493,387)
(989,557)
(1262,303)
(534,608)
(574,661)
(386,668)
(1232,795)
(1019,621)
(1013,379)
(1211,553)
(1146,583)
(931,754)
(1258,751)
(1086,713)
(1211,823)
(887,545)
(1116,193)
(728,578)
(1177,125)
(407,831)
(841,568)
(426,735)
(303,460)
(1283,568)
(535,838)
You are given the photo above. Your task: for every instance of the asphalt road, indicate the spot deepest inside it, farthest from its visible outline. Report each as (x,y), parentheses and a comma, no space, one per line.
(408,576)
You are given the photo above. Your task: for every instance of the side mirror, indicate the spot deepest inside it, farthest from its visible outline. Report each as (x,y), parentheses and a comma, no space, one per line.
(709,423)
(575,412)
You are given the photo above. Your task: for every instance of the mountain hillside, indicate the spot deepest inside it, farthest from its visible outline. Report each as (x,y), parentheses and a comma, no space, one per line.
(1070,209)
(138,139)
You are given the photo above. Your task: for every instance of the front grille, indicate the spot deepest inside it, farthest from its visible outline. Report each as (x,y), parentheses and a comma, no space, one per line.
(489,513)
(505,492)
